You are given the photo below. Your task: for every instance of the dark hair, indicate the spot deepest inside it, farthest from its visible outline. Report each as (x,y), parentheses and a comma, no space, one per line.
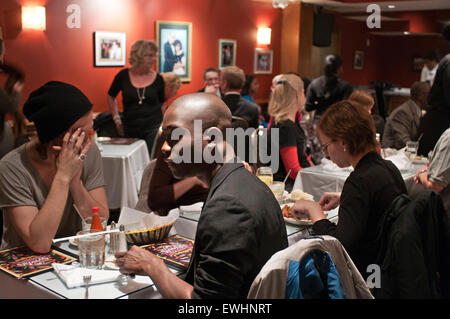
(210,70)
(417,89)
(177,42)
(431,56)
(350,123)
(248,82)
(446,32)
(332,63)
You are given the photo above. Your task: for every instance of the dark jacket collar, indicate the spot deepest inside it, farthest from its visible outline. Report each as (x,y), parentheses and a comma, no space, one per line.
(221,175)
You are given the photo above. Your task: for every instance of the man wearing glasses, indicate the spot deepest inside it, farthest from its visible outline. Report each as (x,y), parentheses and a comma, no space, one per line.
(211,82)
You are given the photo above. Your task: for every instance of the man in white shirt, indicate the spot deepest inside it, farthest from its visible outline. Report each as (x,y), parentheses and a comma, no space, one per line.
(429,69)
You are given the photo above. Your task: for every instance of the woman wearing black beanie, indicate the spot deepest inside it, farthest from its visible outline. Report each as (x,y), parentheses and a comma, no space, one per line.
(437,118)
(42,180)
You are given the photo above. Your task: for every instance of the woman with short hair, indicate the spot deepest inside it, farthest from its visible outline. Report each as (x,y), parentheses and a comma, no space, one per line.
(347,134)
(142,94)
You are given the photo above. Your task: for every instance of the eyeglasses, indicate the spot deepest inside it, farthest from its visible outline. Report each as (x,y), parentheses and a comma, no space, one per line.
(324,147)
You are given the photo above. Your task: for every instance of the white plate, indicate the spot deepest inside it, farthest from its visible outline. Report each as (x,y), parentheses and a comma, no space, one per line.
(102,139)
(294,221)
(419,160)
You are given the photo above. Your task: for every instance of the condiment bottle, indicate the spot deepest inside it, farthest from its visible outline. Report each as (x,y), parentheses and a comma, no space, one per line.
(122,240)
(96,223)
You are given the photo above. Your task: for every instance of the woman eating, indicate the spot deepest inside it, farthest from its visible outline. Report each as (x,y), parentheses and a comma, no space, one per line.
(347,134)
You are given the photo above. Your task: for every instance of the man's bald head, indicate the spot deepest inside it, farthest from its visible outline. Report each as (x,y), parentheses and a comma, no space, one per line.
(208,108)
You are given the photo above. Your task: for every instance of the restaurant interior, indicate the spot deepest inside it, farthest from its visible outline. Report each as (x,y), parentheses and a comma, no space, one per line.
(382,44)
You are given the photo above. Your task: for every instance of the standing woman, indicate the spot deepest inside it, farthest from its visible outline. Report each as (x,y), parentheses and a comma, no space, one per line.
(142,94)
(287,99)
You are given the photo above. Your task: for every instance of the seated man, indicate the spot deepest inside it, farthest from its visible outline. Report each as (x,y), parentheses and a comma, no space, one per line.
(232,80)
(436,175)
(403,123)
(236,233)
(211,82)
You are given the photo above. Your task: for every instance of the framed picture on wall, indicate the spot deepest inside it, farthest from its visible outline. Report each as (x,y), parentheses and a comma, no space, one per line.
(417,63)
(263,61)
(358,60)
(174,41)
(109,48)
(227,53)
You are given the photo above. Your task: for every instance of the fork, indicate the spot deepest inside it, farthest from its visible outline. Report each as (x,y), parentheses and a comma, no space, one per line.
(87,279)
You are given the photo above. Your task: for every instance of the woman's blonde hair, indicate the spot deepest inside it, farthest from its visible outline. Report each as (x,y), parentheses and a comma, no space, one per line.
(284,96)
(139,49)
(171,80)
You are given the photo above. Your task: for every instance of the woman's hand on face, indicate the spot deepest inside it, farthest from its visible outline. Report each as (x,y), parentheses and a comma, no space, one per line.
(330,201)
(69,161)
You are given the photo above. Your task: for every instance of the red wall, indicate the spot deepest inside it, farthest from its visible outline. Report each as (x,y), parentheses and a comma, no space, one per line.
(389,58)
(64,54)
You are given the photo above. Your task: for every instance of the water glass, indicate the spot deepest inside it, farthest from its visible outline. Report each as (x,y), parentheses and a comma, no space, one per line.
(91,250)
(278,190)
(265,174)
(86,223)
(411,148)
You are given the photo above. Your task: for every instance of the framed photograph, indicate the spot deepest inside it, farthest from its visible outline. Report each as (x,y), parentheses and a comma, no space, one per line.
(227,53)
(263,61)
(174,41)
(417,63)
(109,48)
(358,60)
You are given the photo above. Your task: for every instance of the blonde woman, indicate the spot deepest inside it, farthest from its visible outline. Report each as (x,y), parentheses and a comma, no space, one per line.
(142,94)
(287,99)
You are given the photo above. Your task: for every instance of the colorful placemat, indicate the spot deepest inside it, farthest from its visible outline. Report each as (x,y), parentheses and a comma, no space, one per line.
(22,261)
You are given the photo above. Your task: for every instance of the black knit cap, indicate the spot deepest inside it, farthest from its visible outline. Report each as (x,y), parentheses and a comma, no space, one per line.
(54,107)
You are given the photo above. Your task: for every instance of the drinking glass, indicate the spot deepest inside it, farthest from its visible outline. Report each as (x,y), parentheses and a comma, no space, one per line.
(278,190)
(265,174)
(411,148)
(91,250)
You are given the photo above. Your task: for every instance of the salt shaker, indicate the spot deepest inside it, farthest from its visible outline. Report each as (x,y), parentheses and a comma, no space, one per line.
(121,240)
(113,239)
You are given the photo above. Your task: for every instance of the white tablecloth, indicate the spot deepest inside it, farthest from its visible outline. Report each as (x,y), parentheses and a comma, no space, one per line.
(316,180)
(123,166)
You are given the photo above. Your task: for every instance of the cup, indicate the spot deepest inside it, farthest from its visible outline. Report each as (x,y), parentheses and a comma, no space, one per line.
(86,223)
(411,148)
(91,250)
(278,191)
(265,174)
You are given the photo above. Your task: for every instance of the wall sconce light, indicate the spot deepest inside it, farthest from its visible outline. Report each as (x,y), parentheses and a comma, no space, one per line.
(263,35)
(33,18)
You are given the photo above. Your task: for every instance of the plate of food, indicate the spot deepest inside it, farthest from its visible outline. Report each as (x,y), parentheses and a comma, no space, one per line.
(419,160)
(286,210)
(297,194)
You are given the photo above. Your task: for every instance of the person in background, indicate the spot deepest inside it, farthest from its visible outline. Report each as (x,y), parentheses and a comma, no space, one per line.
(437,118)
(436,174)
(41,181)
(287,100)
(348,136)
(172,84)
(232,79)
(328,88)
(403,123)
(142,94)
(365,99)
(250,88)
(211,78)
(236,234)
(429,68)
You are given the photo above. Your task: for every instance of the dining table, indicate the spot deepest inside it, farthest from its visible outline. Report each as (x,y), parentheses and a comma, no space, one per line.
(48,285)
(123,166)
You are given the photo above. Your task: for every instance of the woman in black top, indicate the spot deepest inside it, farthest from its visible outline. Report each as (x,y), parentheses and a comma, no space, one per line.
(142,94)
(348,136)
(287,100)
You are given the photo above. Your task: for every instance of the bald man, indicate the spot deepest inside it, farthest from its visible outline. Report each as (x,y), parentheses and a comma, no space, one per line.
(236,233)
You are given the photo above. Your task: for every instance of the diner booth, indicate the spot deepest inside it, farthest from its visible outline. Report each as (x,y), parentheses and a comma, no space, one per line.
(87,43)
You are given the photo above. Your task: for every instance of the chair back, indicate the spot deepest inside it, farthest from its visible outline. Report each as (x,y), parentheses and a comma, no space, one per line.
(142,203)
